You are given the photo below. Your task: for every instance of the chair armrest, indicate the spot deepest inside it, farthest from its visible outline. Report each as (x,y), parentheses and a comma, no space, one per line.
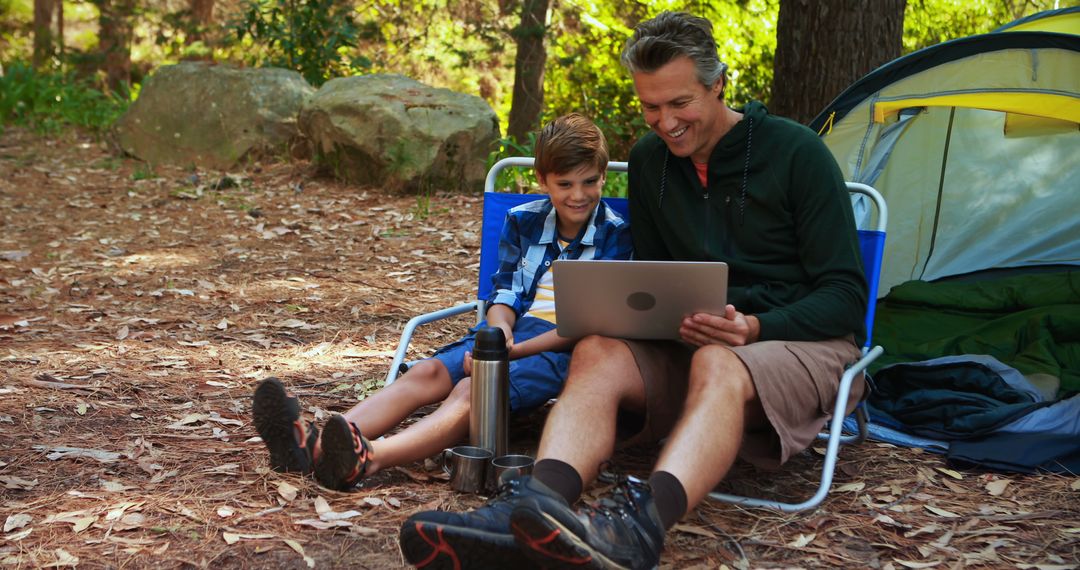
(407,332)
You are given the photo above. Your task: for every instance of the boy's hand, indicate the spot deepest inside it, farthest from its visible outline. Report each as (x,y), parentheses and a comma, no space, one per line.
(732,328)
(467,364)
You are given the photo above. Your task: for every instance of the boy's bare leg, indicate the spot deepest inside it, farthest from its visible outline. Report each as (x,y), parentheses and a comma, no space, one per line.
(445,427)
(425,383)
(721,403)
(580,429)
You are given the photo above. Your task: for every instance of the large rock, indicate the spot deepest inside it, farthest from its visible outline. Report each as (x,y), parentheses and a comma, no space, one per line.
(213,115)
(395,132)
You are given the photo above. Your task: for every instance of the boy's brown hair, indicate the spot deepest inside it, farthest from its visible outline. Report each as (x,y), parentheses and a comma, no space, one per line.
(568,143)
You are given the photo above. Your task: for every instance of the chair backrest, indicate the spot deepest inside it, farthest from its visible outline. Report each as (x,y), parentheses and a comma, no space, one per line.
(496,204)
(872,247)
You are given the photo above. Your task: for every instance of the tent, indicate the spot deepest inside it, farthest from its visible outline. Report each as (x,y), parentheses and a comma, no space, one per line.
(975,145)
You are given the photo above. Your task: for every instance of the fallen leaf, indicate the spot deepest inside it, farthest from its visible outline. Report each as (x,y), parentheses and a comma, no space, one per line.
(300,550)
(118,510)
(232,537)
(851,487)
(1075,485)
(63,558)
(19,535)
(17,521)
(997,486)
(114,486)
(13,482)
(692,529)
(335,516)
(950,473)
(321,524)
(287,491)
(225,512)
(802,540)
(83,523)
(373,501)
(910,564)
(122,333)
(321,506)
(60,452)
(941,512)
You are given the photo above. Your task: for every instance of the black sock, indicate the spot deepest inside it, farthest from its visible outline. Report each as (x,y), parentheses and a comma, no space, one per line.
(560,476)
(669,497)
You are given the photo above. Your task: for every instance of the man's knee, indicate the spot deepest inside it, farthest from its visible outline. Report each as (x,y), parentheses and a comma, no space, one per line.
(595,347)
(716,370)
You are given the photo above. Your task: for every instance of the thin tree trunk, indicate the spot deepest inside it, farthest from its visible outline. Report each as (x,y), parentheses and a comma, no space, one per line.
(822,46)
(114,45)
(48,31)
(528,97)
(202,15)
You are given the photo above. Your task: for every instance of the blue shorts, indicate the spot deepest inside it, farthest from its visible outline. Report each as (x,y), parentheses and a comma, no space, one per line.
(533,380)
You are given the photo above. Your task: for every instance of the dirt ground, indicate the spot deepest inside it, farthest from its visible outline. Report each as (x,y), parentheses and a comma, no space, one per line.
(139,307)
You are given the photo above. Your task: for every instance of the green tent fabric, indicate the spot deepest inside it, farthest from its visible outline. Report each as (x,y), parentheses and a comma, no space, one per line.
(1030,322)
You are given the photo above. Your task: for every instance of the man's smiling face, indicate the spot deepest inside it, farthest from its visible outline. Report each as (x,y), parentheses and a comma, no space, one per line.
(685,113)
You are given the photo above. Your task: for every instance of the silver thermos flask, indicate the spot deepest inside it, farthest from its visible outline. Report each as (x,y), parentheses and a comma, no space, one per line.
(490,391)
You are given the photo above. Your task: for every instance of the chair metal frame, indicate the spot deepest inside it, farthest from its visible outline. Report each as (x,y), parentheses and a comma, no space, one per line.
(871,242)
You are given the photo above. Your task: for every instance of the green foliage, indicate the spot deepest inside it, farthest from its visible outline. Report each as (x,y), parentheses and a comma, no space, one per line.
(929,22)
(313,37)
(584,72)
(51,101)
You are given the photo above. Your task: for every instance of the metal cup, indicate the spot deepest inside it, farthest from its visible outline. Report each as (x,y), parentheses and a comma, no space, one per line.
(515,465)
(467,466)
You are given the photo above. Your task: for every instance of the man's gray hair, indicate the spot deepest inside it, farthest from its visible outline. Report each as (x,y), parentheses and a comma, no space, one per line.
(669,35)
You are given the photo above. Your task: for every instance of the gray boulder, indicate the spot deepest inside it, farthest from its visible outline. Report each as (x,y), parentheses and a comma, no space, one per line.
(395,132)
(199,113)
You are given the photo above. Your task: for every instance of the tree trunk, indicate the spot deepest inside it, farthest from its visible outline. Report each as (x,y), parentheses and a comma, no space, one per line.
(114,40)
(202,15)
(48,31)
(822,46)
(528,97)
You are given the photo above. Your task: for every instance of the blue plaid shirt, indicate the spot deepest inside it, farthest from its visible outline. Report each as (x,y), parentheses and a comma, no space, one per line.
(529,244)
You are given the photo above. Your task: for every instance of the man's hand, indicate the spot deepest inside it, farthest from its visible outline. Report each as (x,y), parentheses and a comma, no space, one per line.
(732,328)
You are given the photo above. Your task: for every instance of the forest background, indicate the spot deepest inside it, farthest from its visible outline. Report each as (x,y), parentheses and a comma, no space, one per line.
(79,63)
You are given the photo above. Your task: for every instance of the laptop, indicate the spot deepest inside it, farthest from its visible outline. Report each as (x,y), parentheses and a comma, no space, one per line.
(635,299)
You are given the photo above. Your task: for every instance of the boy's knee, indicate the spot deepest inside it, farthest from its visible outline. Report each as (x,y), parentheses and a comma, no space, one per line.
(424,371)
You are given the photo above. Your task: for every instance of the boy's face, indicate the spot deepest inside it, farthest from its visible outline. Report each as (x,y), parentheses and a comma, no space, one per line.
(574,195)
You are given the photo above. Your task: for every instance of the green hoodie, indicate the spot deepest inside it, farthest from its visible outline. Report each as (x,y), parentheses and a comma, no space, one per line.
(789,240)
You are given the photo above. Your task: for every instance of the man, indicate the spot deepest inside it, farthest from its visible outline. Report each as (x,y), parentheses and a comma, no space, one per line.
(708,183)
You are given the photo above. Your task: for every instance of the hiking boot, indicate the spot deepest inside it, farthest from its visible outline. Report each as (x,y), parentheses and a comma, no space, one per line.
(344,455)
(474,539)
(276,416)
(622,531)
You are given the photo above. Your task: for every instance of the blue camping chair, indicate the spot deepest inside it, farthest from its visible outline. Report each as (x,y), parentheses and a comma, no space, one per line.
(872,246)
(496,204)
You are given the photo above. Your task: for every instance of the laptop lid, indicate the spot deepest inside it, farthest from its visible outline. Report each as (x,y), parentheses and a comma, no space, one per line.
(635,299)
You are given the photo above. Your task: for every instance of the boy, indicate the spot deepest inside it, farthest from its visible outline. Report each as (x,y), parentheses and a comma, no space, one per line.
(571,162)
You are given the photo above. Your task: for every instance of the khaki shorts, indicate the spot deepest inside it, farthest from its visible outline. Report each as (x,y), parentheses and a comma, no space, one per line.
(796,382)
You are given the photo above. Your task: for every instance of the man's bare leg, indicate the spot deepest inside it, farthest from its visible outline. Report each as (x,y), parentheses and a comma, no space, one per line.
(721,403)
(580,429)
